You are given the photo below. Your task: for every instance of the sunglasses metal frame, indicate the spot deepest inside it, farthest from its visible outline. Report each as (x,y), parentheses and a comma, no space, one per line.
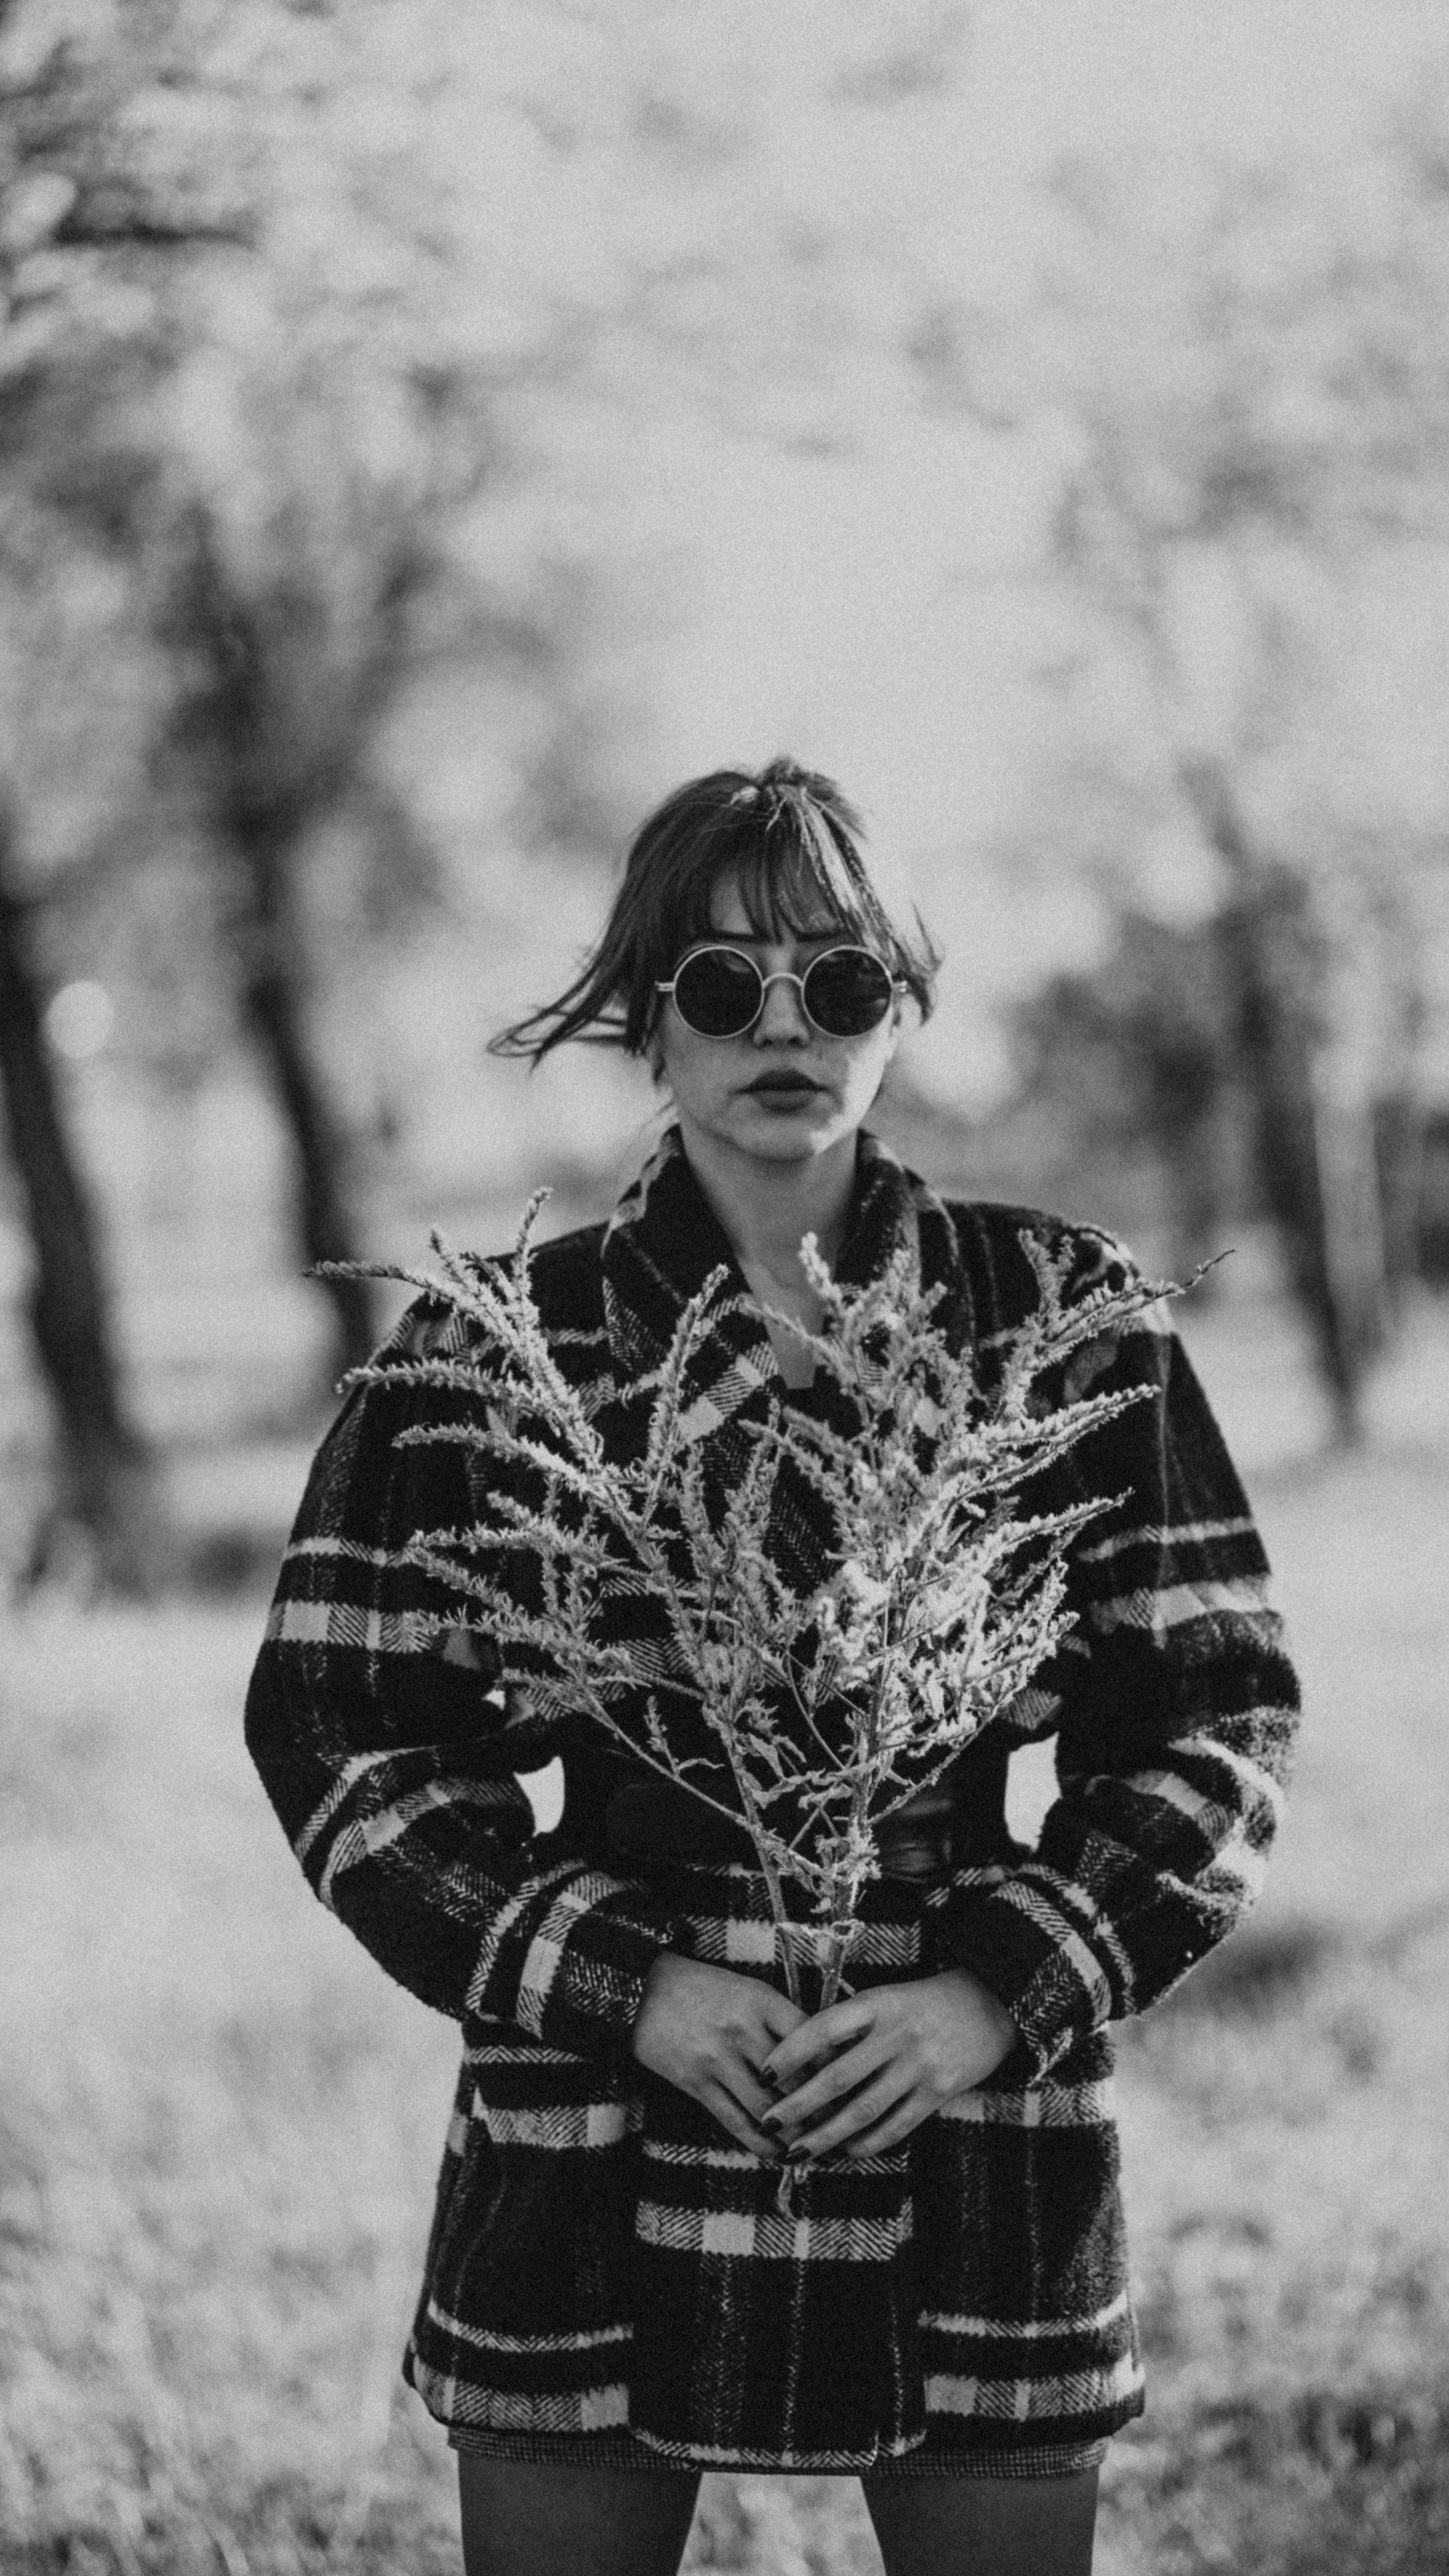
(727,948)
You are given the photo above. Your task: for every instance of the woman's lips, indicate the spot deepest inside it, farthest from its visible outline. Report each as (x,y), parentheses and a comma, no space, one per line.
(783,1088)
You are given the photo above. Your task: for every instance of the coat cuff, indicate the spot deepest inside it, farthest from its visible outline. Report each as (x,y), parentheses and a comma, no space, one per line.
(1030,1954)
(568,1958)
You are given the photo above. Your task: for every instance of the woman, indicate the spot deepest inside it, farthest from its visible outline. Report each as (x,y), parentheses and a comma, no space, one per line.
(611,2286)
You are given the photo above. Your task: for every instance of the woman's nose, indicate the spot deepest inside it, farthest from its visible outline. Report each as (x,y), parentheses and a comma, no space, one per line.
(783,1014)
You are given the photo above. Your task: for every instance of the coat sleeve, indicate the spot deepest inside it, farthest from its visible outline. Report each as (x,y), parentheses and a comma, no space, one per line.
(390,1763)
(1174,1706)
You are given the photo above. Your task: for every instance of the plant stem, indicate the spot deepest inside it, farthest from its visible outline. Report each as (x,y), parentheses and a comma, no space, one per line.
(832,1975)
(784,1946)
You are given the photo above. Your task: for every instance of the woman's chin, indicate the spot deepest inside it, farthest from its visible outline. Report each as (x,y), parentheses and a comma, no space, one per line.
(785,1129)
(762,1133)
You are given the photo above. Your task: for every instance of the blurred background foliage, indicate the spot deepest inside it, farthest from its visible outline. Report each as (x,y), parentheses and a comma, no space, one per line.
(424,438)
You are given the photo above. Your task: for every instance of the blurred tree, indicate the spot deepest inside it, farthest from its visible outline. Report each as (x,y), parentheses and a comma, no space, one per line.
(1320,1120)
(81,352)
(60,626)
(361,260)
(183,400)
(1140,1049)
(1255,374)
(285,667)
(105,1488)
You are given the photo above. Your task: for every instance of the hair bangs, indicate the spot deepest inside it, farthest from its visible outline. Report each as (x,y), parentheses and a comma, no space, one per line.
(794,882)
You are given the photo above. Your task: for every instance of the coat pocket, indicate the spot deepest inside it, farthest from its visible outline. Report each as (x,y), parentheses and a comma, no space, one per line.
(524,2323)
(1027,2327)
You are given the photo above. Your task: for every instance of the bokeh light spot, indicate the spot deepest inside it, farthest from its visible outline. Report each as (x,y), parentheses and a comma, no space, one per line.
(79,1020)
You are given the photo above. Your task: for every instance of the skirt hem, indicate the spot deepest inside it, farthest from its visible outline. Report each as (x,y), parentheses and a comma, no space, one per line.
(623,2451)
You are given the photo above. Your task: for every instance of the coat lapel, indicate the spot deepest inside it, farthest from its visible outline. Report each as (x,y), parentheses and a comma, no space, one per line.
(664,1240)
(659,1247)
(894,1206)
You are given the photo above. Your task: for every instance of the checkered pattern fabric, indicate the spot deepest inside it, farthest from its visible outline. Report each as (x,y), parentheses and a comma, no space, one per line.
(605,2265)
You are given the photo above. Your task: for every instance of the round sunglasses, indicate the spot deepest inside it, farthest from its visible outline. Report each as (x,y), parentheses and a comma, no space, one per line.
(719,991)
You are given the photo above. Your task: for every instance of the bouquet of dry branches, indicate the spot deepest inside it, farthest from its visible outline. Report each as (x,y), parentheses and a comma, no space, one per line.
(827,1707)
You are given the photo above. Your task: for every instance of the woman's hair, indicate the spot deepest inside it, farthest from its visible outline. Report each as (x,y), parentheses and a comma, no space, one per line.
(791,842)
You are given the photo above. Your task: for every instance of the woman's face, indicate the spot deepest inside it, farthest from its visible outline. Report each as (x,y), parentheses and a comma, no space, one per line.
(783,1092)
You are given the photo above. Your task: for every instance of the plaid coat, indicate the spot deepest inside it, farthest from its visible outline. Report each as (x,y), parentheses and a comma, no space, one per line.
(608,2276)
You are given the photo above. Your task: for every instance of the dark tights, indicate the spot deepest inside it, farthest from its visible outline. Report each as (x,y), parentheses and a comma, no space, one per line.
(527,2519)
(524,2519)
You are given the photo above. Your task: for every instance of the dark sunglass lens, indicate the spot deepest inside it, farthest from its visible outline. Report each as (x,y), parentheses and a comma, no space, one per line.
(717,992)
(847,992)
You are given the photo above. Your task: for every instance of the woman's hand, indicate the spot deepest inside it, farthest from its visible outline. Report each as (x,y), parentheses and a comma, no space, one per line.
(903,2051)
(710,2031)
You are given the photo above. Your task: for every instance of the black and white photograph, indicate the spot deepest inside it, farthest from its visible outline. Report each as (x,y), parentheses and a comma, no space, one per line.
(724,1287)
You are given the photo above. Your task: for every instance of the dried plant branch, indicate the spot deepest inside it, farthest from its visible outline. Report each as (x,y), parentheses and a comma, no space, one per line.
(825,1709)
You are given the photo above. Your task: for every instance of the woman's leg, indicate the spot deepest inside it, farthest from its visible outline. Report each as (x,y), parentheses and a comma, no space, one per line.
(984,2526)
(524,2518)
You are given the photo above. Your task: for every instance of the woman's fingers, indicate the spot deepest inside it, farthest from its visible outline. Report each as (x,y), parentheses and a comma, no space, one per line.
(844,2074)
(778,2015)
(813,2039)
(857,2115)
(752,2096)
(736,2121)
(770,2028)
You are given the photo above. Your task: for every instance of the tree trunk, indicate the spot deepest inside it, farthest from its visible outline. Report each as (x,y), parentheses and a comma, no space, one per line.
(1313,1148)
(275,1004)
(1399,1137)
(1192,1158)
(1314,1158)
(104,1504)
(1355,1267)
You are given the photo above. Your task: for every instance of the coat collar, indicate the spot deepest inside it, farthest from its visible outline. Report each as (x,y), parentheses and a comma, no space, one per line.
(664,1239)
